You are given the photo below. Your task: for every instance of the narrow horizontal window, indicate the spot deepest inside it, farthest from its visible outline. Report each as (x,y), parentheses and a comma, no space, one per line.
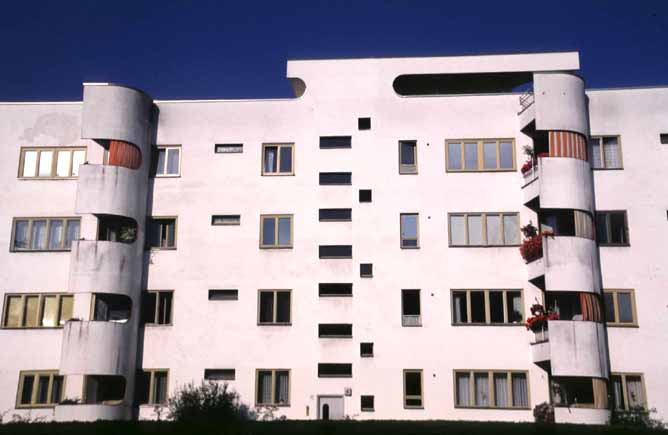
(224,295)
(278,159)
(335,289)
(44,234)
(484,229)
(487,307)
(480,155)
(335,251)
(226,219)
(366,270)
(272,387)
(365,195)
(274,307)
(39,389)
(612,228)
(335,370)
(366,350)
(276,231)
(219,374)
(167,161)
(329,142)
(366,403)
(605,152)
(491,389)
(364,123)
(335,178)
(620,307)
(36,310)
(335,214)
(51,162)
(335,330)
(157,307)
(161,232)
(229,148)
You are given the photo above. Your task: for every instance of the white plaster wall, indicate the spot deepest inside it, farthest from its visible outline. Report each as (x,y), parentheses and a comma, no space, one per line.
(565,183)
(560,102)
(577,348)
(570,264)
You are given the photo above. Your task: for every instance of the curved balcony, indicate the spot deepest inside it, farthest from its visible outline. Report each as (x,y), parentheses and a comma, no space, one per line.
(568,264)
(110,190)
(99,348)
(560,103)
(573,348)
(559,183)
(106,267)
(576,415)
(93,412)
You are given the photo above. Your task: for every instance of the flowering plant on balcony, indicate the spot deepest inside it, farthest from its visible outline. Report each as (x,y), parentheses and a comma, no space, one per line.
(539,318)
(532,161)
(531,248)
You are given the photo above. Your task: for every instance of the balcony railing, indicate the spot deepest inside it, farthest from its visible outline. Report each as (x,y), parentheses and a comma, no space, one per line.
(526,100)
(411,320)
(531,174)
(542,336)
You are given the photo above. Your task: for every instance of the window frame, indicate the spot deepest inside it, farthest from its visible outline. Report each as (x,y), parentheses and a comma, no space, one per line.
(623,376)
(157,308)
(54,162)
(607,214)
(616,323)
(488,310)
(275,292)
(330,365)
(228,220)
(238,148)
(167,149)
(40,309)
(66,222)
(483,216)
(224,374)
(408,169)
(273,385)
(401,230)
(421,396)
(151,221)
(151,387)
(373,401)
(490,379)
(33,396)
(280,146)
(366,275)
(276,230)
(602,155)
(480,151)
(403,316)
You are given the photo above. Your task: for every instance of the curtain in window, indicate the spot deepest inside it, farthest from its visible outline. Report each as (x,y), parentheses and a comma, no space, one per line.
(124,154)
(511,229)
(520,390)
(270,159)
(494,229)
(264,387)
(516,305)
(481,386)
(463,391)
(635,392)
(101,309)
(475,230)
(600,390)
(282,387)
(591,307)
(617,392)
(584,226)
(500,390)
(459,301)
(595,152)
(457,230)
(38,235)
(72,232)
(55,234)
(611,153)
(21,234)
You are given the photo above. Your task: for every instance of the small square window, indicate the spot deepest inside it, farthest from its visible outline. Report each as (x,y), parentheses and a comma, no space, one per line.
(366,270)
(664,138)
(366,350)
(367,403)
(364,123)
(365,195)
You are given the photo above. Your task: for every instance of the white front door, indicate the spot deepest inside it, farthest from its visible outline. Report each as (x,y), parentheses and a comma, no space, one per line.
(330,407)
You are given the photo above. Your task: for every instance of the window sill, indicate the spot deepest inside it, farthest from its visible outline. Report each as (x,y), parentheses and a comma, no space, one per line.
(336,184)
(614,245)
(484,246)
(281,405)
(276,247)
(500,408)
(35,406)
(479,170)
(167,176)
(488,324)
(368,410)
(622,325)
(335,258)
(47,178)
(409,247)
(366,276)
(31,327)
(413,407)
(35,251)
(367,356)
(607,169)
(278,174)
(152,405)
(155,248)
(158,325)
(274,324)
(336,336)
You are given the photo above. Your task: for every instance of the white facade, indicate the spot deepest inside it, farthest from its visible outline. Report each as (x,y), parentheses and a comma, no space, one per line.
(333,94)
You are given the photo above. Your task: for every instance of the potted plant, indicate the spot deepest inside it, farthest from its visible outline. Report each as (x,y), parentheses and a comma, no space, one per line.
(539,318)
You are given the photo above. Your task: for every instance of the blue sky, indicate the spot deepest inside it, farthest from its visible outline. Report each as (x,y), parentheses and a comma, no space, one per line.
(238,49)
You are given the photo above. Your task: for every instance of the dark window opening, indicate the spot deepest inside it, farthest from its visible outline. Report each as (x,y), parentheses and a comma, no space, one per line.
(335,289)
(336,330)
(573,391)
(229,148)
(274,307)
(104,389)
(336,251)
(612,228)
(459,307)
(462,83)
(161,233)
(366,270)
(366,403)
(410,308)
(478,307)
(335,178)
(110,307)
(335,214)
(496,306)
(223,295)
(664,138)
(157,308)
(226,219)
(365,195)
(116,229)
(219,374)
(330,142)
(364,123)
(366,350)
(335,370)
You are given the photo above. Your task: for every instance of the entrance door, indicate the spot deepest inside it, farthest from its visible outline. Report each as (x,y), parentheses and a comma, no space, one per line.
(330,407)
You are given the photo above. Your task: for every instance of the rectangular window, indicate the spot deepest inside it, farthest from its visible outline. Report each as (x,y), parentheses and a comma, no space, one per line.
(335,289)
(229,148)
(409,228)
(628,391)
(335,330)
(491,389)
(366,350)
(39,389)
(335,251)
(335,370)
(410,308)
(167,161)
(335,178)
(487,307)
(366,403)
(35,310)
(157,307)
(224,295)
(612,228)
(162,232)
(276,231)
(413,389)
(605,152)
(408,157)
(278,159)
(620,307)
(219,374)
(52,162)
(226,219)
(366,270)
(44,234)
(272,387)
(335,214)
(663,138)
(484,229)
(480,155)
(274,307)
(152,386)
(331,142)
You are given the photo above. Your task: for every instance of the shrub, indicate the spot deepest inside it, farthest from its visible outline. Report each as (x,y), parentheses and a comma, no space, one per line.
(543,413)
(207,403)
(638,416)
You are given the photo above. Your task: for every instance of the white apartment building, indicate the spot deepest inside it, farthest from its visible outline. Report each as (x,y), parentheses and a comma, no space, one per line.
(352,251)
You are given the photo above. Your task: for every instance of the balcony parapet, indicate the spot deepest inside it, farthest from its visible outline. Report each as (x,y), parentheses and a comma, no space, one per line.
(92,412)
(105,267)
(576,415)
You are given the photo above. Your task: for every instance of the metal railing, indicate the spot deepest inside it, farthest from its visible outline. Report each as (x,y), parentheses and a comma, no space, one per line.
(526,100)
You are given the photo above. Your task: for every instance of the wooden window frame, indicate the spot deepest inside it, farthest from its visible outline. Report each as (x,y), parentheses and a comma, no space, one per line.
(602,155)
(615,302)
(609,229)
(275,307)
(480,150)
(33,397)
(66,222)
(488,315)
(401,230)
(421,396)
(483,216)
(409,169)
(490,379)
(152,221)
(273,387)
(276,217)
(167,149)
(625,393)
(280,146)
(40,309)
(151,387)
(157,308)
(54,162)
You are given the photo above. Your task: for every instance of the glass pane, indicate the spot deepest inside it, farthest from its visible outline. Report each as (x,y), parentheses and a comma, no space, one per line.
(463,389)
(634,391)
(29,163)
(160,167)
(511,229)
(42,389)
(618,228)
(26,392)
(514,301)
(264,387)
(31,311)
(283,307)
(50,311)
(286,160)
(460,314)
(609,307)
(481,388)
(520,390)
(13,312)
(494,230)
(506,155)
(38,235)
(55,234)
(489,154)
(470,155)
(413,384)
(496,306)
(282,387)
(21,234)
(454,156)
(617,392)
(500,390)
(407,153)
(284,231)
(409,223)
(165,308)
(478,307)
(270,159)
(595,152)
(72,232)
(45,161)
(171,233)
(266,307)
(173,161)
(78,159)
(625,308)
(66,305)
(475,230)
(159,387)
(602,228)
(611,153)
(56,389)
(268,231)
(63,164)
(457,230)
